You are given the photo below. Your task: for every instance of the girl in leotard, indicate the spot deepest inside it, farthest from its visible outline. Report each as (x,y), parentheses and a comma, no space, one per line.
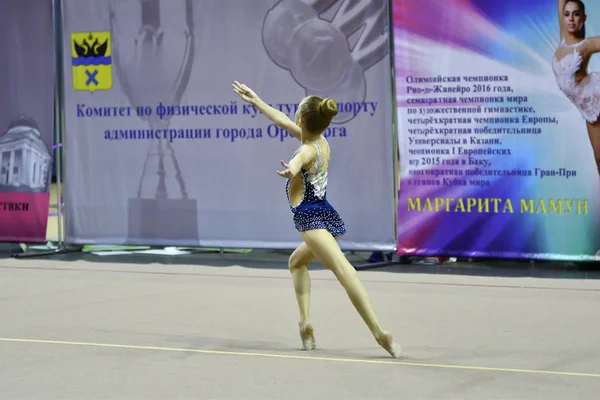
(570,65)
(317,221)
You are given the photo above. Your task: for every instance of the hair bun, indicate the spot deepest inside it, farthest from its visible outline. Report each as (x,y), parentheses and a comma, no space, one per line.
(328,108)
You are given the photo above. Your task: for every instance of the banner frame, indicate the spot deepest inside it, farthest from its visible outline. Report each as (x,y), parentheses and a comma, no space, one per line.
(391,246)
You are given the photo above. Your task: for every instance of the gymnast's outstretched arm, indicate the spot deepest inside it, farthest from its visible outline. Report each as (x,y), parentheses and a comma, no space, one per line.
(278,118)
(561,20)
(304,157)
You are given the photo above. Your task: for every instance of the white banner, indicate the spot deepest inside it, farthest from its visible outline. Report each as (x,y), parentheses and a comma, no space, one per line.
(159,149)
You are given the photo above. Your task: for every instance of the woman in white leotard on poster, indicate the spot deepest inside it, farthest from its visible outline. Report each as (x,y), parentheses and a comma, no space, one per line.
(570,66)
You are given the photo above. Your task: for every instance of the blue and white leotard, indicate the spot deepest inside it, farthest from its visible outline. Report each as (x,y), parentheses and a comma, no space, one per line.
(314,211)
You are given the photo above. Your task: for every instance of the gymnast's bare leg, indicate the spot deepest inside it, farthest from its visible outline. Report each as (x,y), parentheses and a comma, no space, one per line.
(298,265)
(326,249)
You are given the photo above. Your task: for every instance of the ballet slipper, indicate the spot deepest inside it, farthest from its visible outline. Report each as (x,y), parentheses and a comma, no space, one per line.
(387,342)
(307,334)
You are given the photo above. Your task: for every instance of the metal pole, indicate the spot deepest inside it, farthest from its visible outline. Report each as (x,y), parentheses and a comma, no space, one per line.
(395,149)
(59,115)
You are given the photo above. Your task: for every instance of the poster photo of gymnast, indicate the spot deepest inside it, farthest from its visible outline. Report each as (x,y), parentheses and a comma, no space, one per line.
(570,65)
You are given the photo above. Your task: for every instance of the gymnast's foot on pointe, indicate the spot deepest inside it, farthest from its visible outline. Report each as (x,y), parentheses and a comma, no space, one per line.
(307,334)
(387,342)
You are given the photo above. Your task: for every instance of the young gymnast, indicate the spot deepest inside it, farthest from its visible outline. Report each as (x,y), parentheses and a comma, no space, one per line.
(317,221)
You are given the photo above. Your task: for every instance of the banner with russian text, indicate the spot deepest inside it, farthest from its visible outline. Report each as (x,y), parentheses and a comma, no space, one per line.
(27,83)
(160,150)
(499,139)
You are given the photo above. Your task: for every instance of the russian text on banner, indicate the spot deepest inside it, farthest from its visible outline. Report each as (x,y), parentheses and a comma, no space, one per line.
(496,161)
(159,151)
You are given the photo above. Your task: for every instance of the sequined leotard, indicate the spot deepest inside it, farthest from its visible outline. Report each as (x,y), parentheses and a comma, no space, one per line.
(585,95)
(314,211)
